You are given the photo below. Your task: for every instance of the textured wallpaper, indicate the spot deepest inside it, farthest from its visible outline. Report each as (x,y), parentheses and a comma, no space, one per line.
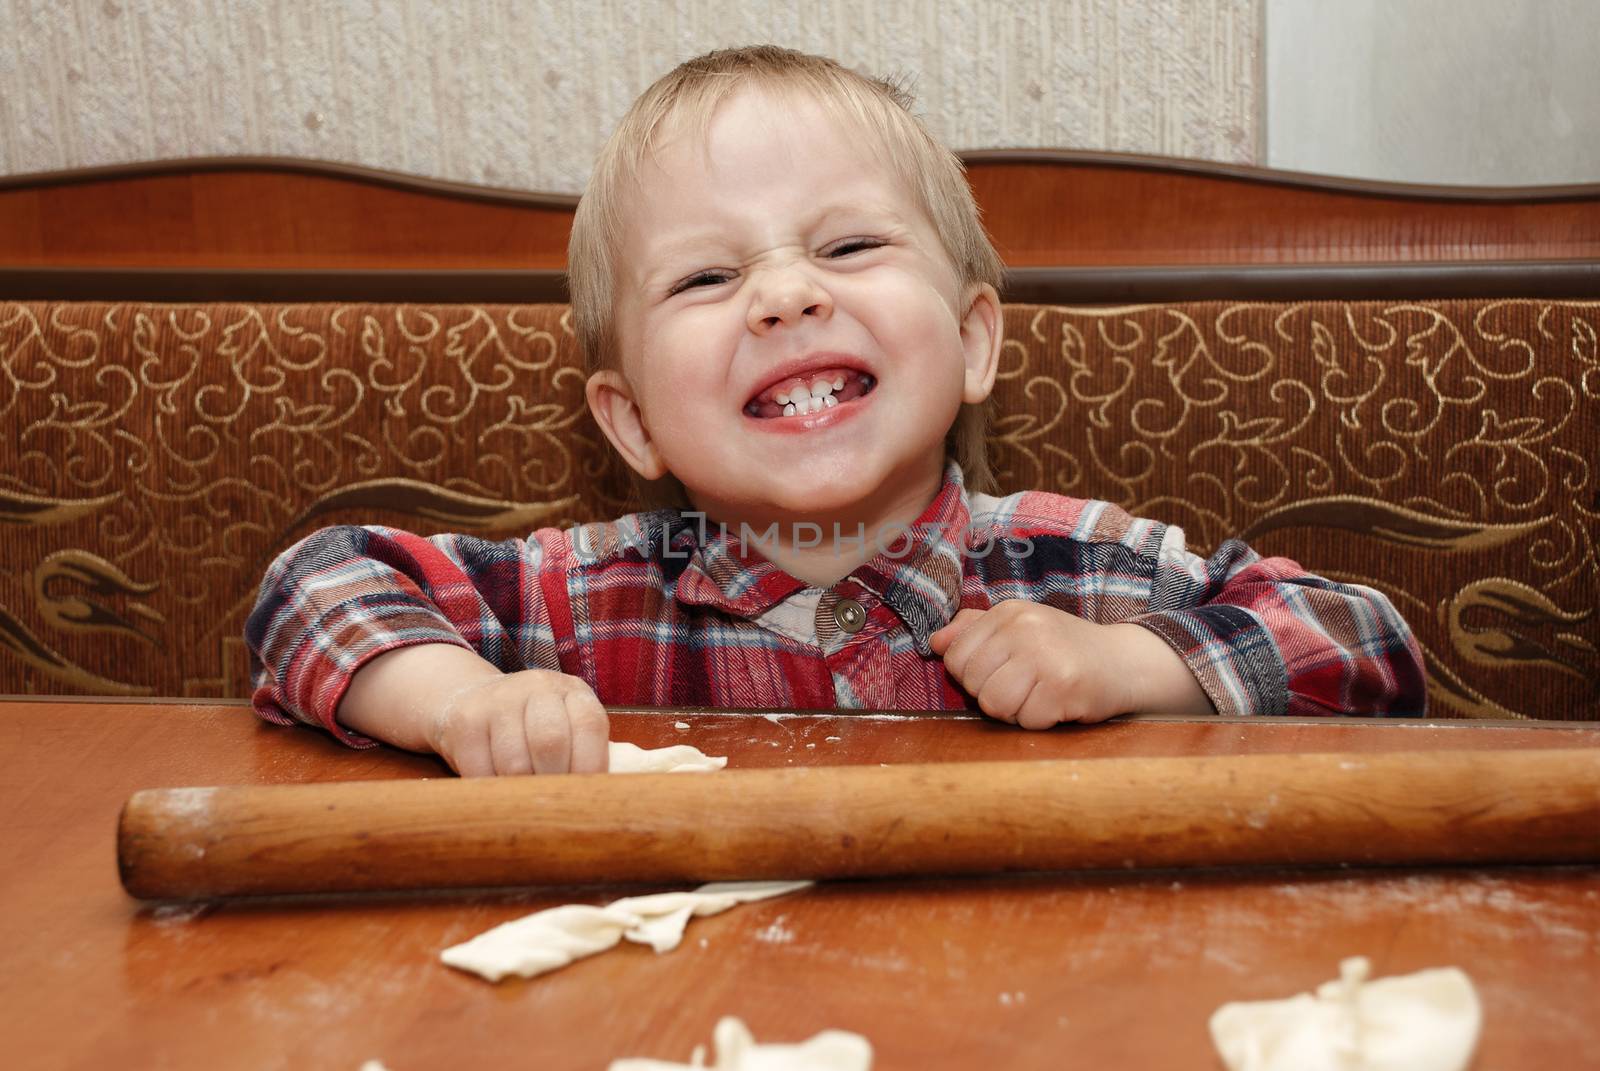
(522,94)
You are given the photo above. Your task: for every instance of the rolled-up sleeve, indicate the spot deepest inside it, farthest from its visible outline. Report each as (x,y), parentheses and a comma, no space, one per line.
(1264,637)
(344,595)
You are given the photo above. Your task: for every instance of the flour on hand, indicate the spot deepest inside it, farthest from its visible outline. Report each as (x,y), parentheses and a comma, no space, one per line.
(831,1050)
(1427,1021)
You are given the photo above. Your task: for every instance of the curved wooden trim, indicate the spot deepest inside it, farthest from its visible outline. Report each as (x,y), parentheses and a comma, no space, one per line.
(1553,279)
(185,285)
(976,157)
(1045,209)
(290,165)
(1401,191)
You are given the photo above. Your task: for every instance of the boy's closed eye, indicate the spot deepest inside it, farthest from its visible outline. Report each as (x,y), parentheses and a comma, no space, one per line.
(716,277)
(852,245)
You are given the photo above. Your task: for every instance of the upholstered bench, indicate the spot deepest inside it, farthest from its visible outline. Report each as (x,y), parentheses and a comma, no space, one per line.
(156,458)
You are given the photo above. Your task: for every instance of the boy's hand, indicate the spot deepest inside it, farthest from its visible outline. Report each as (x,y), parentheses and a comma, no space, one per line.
(446,699)
(536,721)
(1034,665)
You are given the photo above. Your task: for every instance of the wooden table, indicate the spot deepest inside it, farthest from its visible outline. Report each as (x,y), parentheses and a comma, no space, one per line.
(1041,971)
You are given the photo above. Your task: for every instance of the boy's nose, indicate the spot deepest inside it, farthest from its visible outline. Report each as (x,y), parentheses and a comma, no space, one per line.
(785,300)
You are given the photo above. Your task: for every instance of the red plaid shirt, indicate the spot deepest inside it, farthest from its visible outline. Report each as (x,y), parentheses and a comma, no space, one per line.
(665,609)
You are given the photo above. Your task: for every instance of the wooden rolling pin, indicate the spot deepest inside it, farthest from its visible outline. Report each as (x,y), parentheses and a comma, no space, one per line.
(858,821)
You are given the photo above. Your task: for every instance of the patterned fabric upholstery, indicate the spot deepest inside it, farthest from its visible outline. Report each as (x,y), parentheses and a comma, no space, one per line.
(157,457)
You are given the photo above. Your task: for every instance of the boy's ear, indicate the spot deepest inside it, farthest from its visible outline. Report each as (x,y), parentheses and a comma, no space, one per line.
(982,333)
(611,401)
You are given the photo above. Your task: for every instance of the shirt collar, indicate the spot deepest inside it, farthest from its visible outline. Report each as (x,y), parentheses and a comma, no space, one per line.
(916,572)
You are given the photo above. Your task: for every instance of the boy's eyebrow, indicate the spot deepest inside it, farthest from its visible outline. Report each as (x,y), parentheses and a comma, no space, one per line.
(663,264)
(688,244)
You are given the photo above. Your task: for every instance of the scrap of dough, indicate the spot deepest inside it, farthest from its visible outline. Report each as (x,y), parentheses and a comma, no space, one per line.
(1427,1021)
(831,1050)
(555,937)
(679,758)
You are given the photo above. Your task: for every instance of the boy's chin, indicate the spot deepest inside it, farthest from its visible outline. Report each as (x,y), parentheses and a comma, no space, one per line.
(821,496)
(855,489)
(822,499)
(822,502)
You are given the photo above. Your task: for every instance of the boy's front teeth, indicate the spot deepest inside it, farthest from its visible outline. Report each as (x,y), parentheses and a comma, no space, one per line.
(797,397)
(801,401)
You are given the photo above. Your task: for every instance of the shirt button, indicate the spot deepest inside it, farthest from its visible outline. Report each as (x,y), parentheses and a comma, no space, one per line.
(849,616)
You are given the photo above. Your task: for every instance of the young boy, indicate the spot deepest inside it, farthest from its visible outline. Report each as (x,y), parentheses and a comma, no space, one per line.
(789,311)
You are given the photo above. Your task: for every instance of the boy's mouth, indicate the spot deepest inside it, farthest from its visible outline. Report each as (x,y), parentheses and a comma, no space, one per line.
(813,392)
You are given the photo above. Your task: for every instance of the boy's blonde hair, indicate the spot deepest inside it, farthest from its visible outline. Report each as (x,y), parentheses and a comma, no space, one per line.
(693,91)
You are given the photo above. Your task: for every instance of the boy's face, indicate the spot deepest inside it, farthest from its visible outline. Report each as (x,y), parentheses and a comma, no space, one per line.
(778,252)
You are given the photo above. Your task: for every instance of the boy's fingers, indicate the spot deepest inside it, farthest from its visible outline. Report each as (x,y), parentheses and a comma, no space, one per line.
(968,641)
(470,755)
(1007,689)
(941,639)
(549,733)
(1042,709)
(591,732)
(990,655)
(508,745)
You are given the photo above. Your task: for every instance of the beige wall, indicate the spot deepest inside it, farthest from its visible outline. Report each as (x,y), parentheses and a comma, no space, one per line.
(1476,92)
(521,94)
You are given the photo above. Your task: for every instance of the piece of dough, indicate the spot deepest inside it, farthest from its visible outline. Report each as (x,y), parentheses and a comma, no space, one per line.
(831,1050)
(556,936)
(1427,1021)
(679,758)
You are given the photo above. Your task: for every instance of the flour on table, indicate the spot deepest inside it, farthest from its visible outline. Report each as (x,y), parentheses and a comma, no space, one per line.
(679,758)
(555,937)
(737,1050)
(1426,1021)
